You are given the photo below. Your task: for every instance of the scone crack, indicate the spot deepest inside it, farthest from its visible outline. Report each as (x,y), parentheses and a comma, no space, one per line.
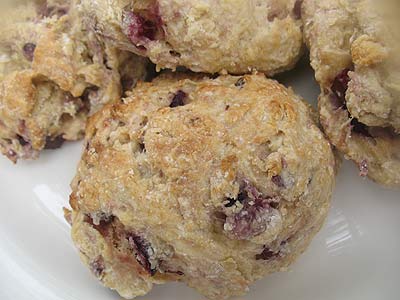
(338,96)
(143,253)
(114,232)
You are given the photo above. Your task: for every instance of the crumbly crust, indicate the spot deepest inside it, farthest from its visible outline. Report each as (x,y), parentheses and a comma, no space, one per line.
(213,182)
(204,36)
(54,73)
(354,48)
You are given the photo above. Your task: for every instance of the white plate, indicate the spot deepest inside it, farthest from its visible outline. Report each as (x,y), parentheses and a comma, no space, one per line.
(355,256)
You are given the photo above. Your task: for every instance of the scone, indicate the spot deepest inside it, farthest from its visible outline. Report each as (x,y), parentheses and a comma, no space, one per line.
(212,182)
(203,36)
(354,48)
(53,74)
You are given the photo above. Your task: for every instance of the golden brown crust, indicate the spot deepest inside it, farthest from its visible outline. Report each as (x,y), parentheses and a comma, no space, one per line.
(53,73)
(204,36)
(213,182)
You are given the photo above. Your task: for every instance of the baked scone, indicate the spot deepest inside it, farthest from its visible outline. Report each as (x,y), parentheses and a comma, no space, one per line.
(53,74)
(203,36)
(354,48)
(213,182)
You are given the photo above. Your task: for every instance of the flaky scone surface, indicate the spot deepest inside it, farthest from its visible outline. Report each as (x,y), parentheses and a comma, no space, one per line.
(53,73)
(215,183)
(204,36)
(354,48)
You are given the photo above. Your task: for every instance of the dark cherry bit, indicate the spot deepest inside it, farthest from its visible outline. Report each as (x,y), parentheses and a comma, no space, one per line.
(141,29)
(267,254)
(278,181)
(97,266)
(240,198)
(54,143)
(174,53)
(240,82)
(28,50)
(338,99)
(142,147)
(339,88)
(178,99)
(22,140)
(143,251)
(297,9)
(255,215)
